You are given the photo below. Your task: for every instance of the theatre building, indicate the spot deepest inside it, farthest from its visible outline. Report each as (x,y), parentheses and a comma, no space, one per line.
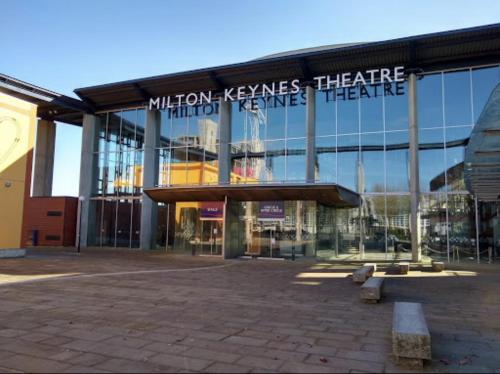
(383,150)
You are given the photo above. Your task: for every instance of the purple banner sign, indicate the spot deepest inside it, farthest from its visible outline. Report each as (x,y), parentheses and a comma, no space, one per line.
(212,211)
(271,211)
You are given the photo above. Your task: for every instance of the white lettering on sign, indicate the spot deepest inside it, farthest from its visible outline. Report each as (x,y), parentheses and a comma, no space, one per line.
(322,82)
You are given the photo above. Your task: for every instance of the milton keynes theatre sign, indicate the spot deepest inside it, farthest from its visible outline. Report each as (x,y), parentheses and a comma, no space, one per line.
(348,86)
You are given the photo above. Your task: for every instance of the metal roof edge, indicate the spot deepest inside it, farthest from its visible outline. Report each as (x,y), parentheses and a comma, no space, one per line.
(416,38)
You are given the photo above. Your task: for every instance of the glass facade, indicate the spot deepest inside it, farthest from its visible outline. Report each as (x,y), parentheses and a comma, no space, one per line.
(117,191)
(449,105)
(268,139)
(361,142)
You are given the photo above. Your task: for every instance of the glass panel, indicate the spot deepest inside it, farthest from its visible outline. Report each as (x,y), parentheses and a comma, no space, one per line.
(137,172)
(396,106)
(372,158)
(455,168)
(461,217)
(101,123)
(140,128)
(296,160)
(276,117)
(296,115)
(348,232)
(238,121)
(326,232)
(457,134)
(325,113)
(483,83)
(187,228)
(398,226)
(97,207)
(238,163)
(111,174)
(161,226)
(164,167)
(129,119)
(136,223)
(372,118)
(431,160)
(98,187)
(396,158)
(326,159)
(123,223)
(179,131)
(194,165)
(275,161)
(178,171)
(347,116)
(374,226)
(165,128)
(430,101)
(457,98)
(433,225)
(347,161)
(108,223)
(113,132)
(211,166)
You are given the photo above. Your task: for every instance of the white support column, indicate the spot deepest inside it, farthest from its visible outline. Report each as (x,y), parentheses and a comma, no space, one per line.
(149,209)
(43,171)
(416,249)
(87,176)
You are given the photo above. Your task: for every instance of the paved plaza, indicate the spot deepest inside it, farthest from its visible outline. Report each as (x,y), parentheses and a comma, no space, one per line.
(115,311)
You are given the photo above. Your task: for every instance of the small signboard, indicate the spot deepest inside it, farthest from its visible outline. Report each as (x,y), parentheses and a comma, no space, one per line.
(212,211)
(271,211)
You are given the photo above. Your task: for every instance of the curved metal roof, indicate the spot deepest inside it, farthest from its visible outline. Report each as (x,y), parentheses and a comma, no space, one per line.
(457,48)
(482,155)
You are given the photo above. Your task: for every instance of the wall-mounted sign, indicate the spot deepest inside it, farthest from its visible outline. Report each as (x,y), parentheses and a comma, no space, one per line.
(212,211)
(339,82)
(271,211)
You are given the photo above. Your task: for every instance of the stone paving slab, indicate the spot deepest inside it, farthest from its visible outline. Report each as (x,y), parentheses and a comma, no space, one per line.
(121,311)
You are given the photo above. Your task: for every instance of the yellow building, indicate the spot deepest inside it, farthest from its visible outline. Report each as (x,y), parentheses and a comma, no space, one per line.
(17,130)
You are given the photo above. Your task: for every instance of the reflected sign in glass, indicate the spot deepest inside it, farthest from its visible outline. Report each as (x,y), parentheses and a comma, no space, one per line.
(212,211)
(271,211)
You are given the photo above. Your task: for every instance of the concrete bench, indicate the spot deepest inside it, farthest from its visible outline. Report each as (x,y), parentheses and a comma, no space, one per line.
(362,274)
(371,290)
(437,266)
(404,267)
(411,341)
(373,264)
(12,253)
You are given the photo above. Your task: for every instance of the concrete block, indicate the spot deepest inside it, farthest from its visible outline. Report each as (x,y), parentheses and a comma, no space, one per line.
(372,289)
(410,335)
(362,274)
(404,267)
(374,265)
(437,266)
(12,253)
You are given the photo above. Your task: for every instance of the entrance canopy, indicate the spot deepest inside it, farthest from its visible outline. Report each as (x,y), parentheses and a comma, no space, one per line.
(326,194)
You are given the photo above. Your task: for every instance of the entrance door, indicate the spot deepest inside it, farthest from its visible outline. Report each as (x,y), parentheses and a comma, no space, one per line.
(279,229)
(211,238)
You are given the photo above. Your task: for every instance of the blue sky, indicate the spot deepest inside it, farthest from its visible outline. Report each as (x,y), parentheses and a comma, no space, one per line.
(62,45)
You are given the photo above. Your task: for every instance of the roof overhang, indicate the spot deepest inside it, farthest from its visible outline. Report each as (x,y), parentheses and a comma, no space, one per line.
(482,155)
(457,48)
(50,105)
(326,194)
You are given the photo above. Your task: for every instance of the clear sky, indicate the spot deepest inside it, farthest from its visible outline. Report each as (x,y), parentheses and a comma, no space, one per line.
(62,45)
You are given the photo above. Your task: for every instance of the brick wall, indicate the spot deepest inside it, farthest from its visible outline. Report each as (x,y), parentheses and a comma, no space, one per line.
(54,219)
